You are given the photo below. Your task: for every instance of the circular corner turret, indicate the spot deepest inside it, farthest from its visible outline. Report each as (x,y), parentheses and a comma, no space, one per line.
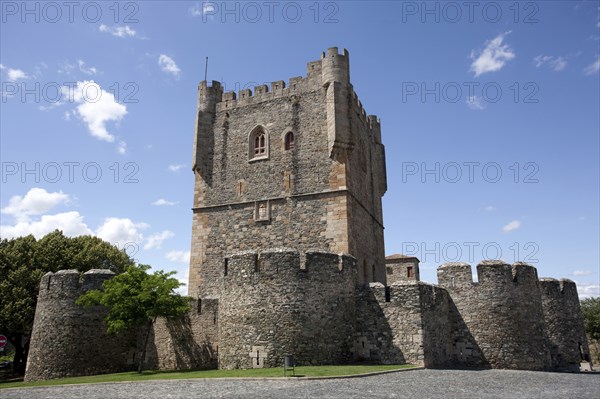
(509,300)
(70,340)
(335,67)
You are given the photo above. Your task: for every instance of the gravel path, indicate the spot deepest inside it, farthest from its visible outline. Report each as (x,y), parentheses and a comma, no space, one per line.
(429,384)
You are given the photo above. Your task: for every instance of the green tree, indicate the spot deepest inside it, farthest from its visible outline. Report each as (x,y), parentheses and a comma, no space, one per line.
(590,307)
(23,262)
(136,299)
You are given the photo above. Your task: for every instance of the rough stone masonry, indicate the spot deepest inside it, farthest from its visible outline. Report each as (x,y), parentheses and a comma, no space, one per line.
(287,257)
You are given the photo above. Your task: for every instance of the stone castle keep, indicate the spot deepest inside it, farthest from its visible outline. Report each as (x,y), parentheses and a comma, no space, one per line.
(287,257)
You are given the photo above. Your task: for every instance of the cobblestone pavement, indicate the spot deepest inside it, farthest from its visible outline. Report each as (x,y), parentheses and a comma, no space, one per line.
(429,384)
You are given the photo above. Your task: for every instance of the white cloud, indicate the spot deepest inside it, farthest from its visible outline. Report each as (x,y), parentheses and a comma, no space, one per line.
(66,68)
(167,64)
(16,74)
(122,148)
(556,63)
(119,31)
(71,224)
(155,241)
(198,11)
(162,201)
(475,102)
(586,290)
(178,256)
(490,208)
(582,272)
(208,7)
(183,276)
(118,231)
(2,66)
(515,224)
(593,67)
(96,108)
(121,231)
(493,57)
(35,202)
(175,168)
(86,70)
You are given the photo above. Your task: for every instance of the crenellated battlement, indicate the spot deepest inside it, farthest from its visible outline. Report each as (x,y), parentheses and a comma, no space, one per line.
(209,96)
(72,283)
(286,263)
(395,294)
(563,286)
(523,310)
(499,273)
(490,273)
(296,86)
(335,66)
(258,94)
(455,275)
(332,67)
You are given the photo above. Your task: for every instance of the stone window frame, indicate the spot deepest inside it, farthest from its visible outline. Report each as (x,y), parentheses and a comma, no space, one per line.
(289,145)
(253,155)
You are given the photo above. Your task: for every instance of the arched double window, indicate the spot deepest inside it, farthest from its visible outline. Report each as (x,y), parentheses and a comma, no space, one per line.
(258,143)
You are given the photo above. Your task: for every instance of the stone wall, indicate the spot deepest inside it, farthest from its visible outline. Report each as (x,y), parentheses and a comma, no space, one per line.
(271,306)
(564,324)
(69,340)
(497,322)
(406,322)
(280,302)
(189,342)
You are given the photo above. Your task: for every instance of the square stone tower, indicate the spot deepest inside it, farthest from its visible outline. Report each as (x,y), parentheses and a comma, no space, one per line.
(400,267)
(297,166)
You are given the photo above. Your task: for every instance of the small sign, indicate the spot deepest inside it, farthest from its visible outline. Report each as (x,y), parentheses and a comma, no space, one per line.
(3,341)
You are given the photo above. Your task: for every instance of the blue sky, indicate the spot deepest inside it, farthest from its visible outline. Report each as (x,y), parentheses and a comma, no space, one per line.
(490,118)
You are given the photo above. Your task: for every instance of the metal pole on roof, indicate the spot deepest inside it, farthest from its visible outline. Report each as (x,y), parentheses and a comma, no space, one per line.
(206,68)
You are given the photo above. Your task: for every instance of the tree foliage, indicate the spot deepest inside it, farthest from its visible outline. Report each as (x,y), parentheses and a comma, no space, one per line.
(136,299)
(590,307)
(23,262)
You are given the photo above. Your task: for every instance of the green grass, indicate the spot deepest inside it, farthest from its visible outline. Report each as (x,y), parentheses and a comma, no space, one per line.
(304,371)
